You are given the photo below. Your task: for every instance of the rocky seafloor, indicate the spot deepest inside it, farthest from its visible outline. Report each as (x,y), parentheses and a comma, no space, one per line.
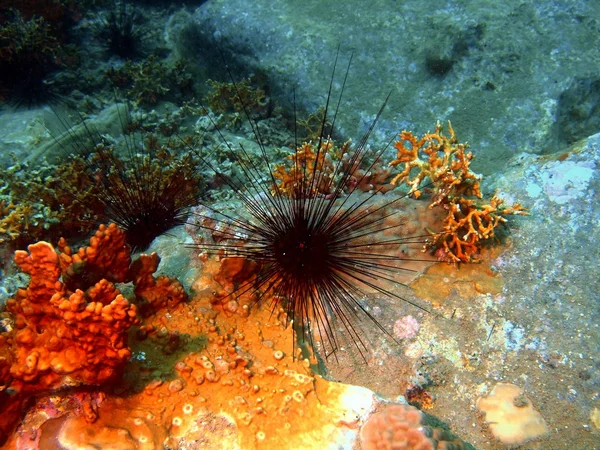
(519,82)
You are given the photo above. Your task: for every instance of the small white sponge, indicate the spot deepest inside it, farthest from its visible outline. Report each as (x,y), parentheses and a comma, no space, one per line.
(510,415)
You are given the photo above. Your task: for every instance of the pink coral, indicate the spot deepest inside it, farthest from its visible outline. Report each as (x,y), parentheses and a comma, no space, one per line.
(406,327)
(397,427)
(403,427)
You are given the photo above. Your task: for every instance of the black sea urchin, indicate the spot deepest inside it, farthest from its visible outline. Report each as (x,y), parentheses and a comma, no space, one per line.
(148,194)
(122,31)
(141,185)
(319,245)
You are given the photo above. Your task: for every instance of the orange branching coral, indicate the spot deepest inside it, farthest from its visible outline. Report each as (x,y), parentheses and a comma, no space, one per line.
(469,223)
(445,162)
(66,338)
(311,172)
(152,293)
(403,427)
(316,172)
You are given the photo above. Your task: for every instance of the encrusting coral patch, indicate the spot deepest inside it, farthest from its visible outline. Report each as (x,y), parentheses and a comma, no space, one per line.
(511,415)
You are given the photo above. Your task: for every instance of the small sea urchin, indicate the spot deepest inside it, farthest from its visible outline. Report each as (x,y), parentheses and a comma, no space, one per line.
(122,32)
(140,184)
(319,245)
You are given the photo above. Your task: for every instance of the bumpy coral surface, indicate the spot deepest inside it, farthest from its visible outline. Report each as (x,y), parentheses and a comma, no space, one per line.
(107,256)
(68,328)
(66,338)
(403,427)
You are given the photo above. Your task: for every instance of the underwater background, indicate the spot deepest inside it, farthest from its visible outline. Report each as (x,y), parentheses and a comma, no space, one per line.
(503,349)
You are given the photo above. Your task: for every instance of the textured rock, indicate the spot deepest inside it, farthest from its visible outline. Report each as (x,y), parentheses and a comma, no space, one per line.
(496,71)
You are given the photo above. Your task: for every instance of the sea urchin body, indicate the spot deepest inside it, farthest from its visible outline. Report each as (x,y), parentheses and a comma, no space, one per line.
(313,238)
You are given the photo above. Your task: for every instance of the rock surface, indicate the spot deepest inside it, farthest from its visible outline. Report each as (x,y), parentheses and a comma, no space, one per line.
(501,73)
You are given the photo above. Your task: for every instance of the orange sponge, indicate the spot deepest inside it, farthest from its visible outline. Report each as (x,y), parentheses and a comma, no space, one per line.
(64,338)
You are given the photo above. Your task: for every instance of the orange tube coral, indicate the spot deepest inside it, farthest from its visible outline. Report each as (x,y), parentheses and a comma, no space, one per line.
(66,338)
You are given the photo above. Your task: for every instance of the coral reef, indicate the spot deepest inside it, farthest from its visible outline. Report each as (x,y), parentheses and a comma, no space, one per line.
(310,128)
(106,257)
(58,13)
(440,280)
(406,327)
(444,161)
(14,220)
(146,194)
